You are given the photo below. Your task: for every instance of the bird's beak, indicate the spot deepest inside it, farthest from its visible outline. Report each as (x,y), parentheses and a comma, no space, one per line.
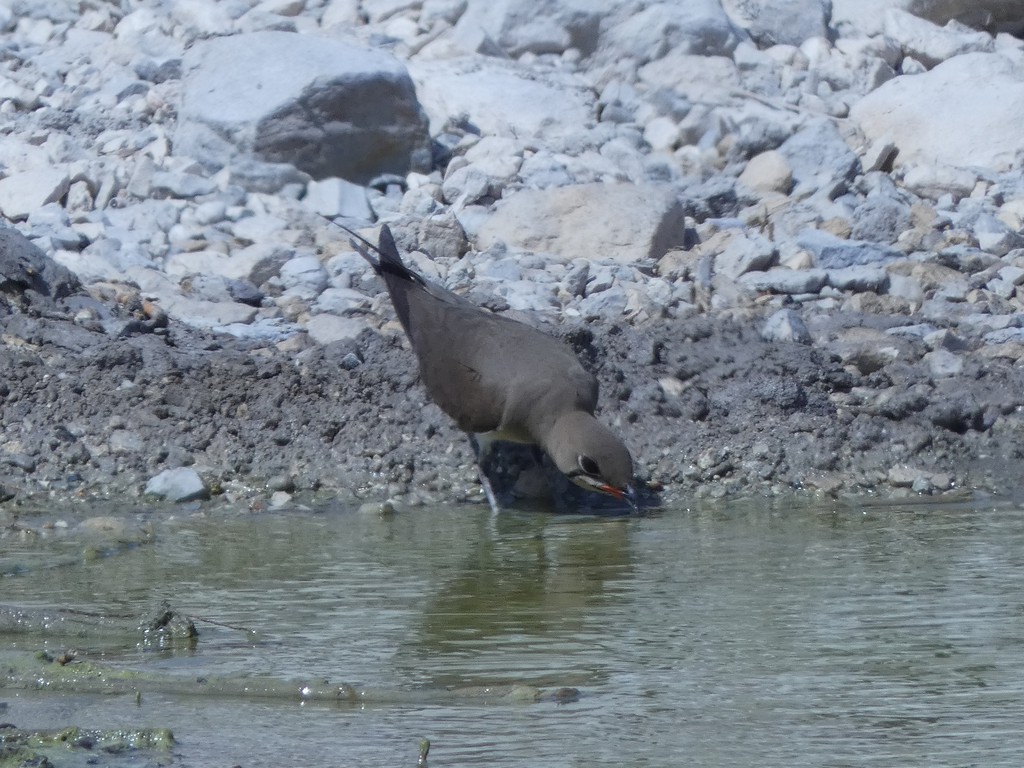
(627,494)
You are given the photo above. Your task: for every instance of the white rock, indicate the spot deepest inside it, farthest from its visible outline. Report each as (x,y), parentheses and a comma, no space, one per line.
(304,272)
(746,253)
(504,98)
(933,180)
(535,26)
(22,193)
(768,172)
(604,222)
(340,301)
(327,328)
(786,325)
(662,133)
(202,17)
(179,485)
(706,79)
(698,27)
(868,16)
(965,112)
(337,197)
(781,280)
(770,22)
(343,13)
(930,43)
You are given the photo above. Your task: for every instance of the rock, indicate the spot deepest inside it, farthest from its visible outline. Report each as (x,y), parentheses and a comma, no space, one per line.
(929,43)
(326,328)
(868,16)
(623,223)
(337,197)
(178,485)
(305,274)
(994,236)
(786,325)
(831,252)
(859,278)
(962,113)
(326,107)
(24,267)
(880,219)
(699,79)
(933,180)
(527,26)
(744,254)
(775,22)
(782,280)
(24,192)
(697,27)
(502,99)
(768,172)
(943,363)
(820,159)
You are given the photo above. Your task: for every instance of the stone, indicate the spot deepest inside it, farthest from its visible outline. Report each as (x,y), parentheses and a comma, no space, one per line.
(768,172)
(22,193)
(880,219)
(859,278)
(867,17)
(820,158)
(623,223)
(928,42)
(179,485)
(943,363)
(341,301)
(337,197)
(326,107)
(697,27)
(933,180)
(502,99)
(305,273)
(786,325)
(782,280)
(964,112)
(774,22)
(746,253)
(831,252)
(529,26)
(327,328)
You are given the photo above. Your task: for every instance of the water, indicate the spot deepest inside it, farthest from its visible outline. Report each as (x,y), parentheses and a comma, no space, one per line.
(743,634)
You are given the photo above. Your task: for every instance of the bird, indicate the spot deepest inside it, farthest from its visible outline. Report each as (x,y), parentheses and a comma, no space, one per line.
(502,379)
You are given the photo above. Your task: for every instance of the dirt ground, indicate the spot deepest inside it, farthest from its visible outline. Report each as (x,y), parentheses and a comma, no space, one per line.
(97,396)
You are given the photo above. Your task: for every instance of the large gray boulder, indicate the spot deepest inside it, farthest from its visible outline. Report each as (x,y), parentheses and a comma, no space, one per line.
(326,107)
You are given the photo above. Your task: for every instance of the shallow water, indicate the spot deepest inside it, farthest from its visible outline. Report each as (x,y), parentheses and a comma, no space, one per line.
(740,634)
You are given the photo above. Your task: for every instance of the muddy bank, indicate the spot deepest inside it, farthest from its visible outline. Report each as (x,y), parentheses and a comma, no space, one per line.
(98,397)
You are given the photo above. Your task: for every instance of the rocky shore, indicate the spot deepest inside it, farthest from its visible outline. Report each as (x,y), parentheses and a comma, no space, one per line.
(786,235)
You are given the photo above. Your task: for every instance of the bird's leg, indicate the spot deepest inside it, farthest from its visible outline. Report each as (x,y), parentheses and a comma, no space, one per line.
(482,449)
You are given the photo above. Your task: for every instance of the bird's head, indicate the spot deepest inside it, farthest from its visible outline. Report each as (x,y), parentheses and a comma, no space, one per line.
(591,455)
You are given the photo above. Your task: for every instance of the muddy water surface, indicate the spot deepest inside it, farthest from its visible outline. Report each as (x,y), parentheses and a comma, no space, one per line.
(742,634)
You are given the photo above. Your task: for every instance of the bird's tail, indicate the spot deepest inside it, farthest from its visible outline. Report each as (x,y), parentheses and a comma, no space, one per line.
(389,263)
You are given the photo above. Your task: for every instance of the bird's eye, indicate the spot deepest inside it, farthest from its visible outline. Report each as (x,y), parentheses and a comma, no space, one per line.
(588,465)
